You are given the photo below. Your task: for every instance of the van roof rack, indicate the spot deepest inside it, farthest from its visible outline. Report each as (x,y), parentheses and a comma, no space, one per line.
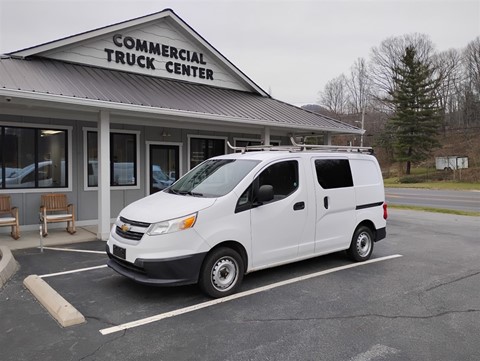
(295,147)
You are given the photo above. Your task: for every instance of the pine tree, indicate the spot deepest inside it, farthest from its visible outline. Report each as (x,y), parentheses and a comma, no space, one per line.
(416,120)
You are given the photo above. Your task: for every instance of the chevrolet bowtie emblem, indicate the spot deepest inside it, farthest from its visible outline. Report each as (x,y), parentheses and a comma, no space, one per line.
(125,227)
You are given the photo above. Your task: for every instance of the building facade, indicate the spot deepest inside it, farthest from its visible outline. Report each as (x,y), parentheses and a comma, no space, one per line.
(115,114)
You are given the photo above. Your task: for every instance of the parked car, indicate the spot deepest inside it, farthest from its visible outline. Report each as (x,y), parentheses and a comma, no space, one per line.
(160,179)
(25,177)
(243,212)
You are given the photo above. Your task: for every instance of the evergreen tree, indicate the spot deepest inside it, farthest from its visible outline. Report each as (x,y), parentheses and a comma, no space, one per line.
(417,117)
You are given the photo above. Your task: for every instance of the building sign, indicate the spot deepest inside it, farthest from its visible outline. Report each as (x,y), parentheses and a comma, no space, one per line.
(142,53)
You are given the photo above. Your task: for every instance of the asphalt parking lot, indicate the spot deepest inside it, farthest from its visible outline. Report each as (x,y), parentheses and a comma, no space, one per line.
(421,304)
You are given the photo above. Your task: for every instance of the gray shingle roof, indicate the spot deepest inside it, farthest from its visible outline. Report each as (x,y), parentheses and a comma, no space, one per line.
(50,77)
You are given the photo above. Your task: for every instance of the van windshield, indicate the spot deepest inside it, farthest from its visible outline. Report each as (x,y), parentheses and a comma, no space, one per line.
(213,178)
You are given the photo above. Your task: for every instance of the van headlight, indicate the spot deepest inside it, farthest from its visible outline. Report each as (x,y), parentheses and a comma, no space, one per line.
(173,225)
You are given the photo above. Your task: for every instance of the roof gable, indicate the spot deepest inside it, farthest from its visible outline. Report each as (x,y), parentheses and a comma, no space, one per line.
(160,45)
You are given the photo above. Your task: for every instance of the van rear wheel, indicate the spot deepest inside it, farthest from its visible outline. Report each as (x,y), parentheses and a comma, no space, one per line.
(361,247)
(221,273)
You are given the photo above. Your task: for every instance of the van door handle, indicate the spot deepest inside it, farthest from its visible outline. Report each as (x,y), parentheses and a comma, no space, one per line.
(299,206)
(325,202)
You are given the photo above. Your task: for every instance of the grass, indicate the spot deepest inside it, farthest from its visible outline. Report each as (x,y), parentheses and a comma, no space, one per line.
(430,178)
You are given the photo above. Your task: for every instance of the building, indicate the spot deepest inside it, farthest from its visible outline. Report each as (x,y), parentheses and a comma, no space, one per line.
(114,114)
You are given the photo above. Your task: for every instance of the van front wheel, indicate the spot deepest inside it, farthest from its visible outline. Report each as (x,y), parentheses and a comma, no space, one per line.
(361,247)
(221,273)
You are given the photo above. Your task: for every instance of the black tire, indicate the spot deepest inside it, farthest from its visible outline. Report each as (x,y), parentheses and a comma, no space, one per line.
(361,247)
(221,273)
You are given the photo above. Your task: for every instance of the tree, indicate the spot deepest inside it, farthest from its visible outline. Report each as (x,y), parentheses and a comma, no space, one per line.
(448,69)
(358,86)
(416,120)
(334,97)
(471,86)
(385,60)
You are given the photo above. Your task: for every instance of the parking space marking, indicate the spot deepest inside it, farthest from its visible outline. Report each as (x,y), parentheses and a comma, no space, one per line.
(235,296)
(72,271)
(73,250)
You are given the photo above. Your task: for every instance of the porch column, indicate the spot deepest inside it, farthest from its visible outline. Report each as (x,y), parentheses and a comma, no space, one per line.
(266,136)
(103,175)
(328,139)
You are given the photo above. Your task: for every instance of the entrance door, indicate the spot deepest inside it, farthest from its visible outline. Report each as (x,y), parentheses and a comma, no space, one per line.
(164,166)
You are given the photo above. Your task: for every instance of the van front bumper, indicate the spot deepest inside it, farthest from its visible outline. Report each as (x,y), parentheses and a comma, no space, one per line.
(159,272)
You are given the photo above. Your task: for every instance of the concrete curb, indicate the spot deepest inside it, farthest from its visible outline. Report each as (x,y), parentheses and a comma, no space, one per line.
(8,265)
(56,305)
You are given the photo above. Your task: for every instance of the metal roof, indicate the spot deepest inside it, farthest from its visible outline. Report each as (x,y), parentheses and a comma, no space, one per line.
(25,77)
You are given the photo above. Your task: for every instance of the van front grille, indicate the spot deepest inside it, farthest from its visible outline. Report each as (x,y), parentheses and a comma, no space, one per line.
(135,236)
(127,233)
(134,223)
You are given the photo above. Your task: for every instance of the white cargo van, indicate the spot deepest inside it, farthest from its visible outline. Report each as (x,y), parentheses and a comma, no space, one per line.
(247,211)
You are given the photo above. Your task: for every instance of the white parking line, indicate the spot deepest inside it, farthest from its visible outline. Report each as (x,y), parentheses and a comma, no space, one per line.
(72,271)
(199,306)
(73,250)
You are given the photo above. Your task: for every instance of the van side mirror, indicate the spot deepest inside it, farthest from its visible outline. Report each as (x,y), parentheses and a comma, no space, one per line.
(265,193)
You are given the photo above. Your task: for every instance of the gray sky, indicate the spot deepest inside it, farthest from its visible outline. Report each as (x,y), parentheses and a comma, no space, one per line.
(291,48)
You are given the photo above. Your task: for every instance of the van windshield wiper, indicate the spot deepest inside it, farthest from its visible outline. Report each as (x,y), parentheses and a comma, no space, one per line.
(190,193)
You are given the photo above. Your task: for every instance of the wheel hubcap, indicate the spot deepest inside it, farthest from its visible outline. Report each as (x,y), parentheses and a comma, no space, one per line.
(364,243)
(224,274)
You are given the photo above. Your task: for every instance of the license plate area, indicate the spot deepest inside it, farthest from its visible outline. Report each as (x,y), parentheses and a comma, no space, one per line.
(119,252)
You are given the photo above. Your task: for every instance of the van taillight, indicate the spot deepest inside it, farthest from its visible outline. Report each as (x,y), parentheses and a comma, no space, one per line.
(385,211)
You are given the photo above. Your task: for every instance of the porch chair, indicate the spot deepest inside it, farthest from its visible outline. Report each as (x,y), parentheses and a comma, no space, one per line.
(54,209)
(9,216)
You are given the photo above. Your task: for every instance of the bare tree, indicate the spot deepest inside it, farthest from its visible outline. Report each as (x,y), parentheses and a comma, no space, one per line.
(472,64)
(358,86)
(334,96)
(385,59)
(448,68)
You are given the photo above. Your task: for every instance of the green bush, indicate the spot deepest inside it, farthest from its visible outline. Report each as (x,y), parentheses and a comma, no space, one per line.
(411,179)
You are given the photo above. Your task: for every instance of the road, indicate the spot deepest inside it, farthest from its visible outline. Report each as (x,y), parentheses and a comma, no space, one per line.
(423,305)
(454,200)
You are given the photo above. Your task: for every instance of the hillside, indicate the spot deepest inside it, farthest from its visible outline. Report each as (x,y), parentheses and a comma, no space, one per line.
(454,142)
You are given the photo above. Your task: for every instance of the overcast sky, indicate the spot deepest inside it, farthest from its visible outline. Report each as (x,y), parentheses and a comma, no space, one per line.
(291,48)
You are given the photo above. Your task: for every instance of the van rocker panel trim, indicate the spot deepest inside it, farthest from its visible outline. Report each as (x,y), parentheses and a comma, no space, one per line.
(160,272)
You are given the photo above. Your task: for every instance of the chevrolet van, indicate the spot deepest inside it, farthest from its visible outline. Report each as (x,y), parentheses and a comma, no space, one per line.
(247,211)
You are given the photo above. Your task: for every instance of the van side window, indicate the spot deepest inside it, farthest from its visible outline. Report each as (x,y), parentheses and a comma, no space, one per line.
(333,173)
(244,203)
(283,176)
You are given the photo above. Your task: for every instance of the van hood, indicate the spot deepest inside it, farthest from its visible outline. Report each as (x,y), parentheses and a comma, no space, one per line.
(163,206)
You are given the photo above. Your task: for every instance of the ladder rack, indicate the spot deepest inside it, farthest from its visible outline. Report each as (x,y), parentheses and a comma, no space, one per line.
(295,147)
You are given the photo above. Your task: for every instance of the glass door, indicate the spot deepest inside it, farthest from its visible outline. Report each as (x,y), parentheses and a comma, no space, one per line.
(164,166)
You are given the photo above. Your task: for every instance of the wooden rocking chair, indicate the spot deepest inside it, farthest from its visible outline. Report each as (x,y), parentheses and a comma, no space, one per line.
(55,209)
(9,216)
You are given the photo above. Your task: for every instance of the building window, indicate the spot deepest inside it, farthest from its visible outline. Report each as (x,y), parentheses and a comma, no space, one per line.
(33,158)
(243,142)
(123,159)
(203,148)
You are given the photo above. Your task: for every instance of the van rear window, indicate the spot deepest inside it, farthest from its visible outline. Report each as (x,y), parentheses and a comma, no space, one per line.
(333,173)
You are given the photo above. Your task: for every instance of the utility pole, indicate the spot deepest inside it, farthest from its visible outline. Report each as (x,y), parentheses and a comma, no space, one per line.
(363,125)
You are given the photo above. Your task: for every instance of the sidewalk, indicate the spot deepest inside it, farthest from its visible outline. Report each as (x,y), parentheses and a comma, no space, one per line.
(56,236)
(31,239)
